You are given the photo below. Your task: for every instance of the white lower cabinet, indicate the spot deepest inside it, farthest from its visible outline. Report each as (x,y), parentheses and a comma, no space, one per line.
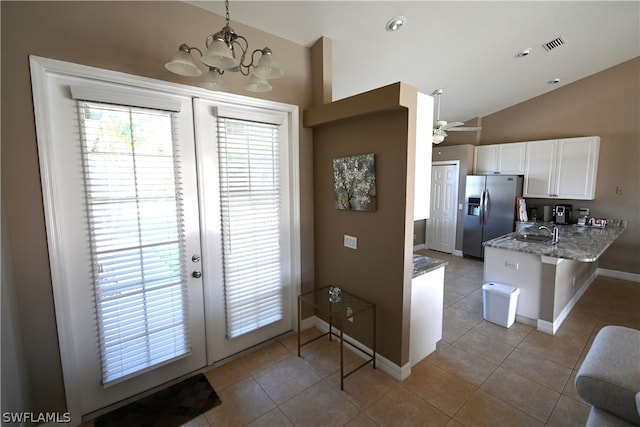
(427,304)
(562,168)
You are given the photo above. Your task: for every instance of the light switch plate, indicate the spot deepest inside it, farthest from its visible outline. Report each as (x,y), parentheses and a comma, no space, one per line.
(350,242)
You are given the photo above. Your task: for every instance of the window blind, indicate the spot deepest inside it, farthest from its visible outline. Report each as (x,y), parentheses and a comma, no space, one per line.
(249,164)
(133,202)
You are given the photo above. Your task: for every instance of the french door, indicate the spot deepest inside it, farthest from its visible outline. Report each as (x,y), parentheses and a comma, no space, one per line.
(148,286)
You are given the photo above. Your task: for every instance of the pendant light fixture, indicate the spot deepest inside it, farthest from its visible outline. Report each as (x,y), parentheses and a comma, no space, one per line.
(227,51)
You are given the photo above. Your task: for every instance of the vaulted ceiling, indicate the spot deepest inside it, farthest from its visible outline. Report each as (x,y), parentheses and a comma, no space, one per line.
(468,48)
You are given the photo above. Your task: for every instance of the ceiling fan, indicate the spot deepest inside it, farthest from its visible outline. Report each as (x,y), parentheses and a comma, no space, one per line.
(440,126)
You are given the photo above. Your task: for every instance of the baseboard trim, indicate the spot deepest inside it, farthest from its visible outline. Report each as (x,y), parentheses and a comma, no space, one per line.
(632,277)
(552,327)
(398,373)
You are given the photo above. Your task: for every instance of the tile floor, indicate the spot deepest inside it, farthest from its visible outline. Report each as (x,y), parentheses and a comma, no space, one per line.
(480,375)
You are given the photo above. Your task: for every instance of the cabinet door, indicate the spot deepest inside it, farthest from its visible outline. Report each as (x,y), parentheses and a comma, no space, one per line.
(577,167)
(485,160)
(540,169)
(511,158)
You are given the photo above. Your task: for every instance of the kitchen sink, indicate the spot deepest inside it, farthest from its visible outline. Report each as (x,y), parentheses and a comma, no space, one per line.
(536,238)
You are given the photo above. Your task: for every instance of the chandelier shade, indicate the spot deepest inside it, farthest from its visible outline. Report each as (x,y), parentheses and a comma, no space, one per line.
(258,84)
(227,52)
(182,63)
(213,80)
(220,56)
(268,67)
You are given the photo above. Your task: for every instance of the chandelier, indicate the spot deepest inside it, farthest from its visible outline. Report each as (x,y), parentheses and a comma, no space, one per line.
(223,49)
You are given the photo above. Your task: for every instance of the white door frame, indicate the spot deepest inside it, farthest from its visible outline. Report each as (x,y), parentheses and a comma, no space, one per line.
(455,163)
(40,68)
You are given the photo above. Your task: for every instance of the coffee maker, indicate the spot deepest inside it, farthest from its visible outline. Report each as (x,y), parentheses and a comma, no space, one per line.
(563,214)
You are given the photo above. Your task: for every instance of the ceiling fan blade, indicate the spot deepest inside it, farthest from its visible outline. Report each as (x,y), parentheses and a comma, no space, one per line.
(465,129)
(449,126)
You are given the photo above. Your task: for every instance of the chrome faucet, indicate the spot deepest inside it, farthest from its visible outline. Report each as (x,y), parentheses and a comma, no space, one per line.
(554,233)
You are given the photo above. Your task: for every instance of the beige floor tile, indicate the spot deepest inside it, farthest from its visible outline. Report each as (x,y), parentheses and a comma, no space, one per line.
(320,405)
(452,331)
(362,420)
(511,336)
(484,346)
(228,374)
(471,303)
(570,388)
(273,418)
(364,386)
(286,378)
(242,403)
(451,298)
(402,408)
(552,347)
(464,365)
(264,357)
(569,413)
(465,285)
(324,356)
(199,421)
(522,393)
(461,317)
(538,369)
(484,410)
(443,390)
(291,341)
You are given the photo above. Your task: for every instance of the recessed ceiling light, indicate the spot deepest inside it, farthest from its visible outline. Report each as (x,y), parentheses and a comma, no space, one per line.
(396,23)
(554,81)
(523,53)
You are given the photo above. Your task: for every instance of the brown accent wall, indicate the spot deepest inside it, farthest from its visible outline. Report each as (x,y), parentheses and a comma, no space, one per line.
(132,37)
(606,104)
(380,122)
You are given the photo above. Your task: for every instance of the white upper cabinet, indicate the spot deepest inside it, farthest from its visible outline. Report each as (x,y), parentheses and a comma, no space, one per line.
(563,168)
(505,159)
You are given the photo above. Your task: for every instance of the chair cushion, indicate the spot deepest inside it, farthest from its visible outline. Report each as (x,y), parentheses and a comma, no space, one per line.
(609,377)
(600,418)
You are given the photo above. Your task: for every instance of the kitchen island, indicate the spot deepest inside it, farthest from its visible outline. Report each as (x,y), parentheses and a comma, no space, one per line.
(551,277)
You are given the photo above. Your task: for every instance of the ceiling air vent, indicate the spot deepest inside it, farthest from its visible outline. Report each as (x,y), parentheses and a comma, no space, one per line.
(557,42)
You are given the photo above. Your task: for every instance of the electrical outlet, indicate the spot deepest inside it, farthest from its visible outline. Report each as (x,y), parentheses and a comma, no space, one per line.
(350,242)
(349,314)
(619,190)
(511,265)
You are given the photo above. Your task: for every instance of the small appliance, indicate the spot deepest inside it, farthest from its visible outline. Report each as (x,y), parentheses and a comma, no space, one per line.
(563,214)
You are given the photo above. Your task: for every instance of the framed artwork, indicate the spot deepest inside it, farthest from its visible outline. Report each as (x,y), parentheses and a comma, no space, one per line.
(355,183)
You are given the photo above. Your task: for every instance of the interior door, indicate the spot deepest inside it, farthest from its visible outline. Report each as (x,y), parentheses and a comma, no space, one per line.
(124,250)
(442,223)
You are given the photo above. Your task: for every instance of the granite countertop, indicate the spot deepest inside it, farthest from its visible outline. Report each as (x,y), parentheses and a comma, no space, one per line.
(577,243)
(423,264)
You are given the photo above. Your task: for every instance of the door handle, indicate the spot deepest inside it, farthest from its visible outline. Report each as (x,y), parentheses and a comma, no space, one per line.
(197,274)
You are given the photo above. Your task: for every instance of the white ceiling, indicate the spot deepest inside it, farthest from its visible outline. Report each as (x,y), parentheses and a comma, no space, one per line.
(465,47)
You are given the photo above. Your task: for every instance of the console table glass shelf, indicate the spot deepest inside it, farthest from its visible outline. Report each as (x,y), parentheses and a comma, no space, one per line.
(346,308)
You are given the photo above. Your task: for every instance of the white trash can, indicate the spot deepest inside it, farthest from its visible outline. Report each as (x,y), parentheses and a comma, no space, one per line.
(499,303)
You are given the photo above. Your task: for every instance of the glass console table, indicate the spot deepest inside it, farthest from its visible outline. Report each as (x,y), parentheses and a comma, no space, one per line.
(348,307)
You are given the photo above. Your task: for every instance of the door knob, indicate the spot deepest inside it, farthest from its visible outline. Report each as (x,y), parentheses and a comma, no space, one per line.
(197,274)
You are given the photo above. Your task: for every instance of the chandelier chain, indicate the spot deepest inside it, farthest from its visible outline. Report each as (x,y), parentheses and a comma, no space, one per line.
(226,15)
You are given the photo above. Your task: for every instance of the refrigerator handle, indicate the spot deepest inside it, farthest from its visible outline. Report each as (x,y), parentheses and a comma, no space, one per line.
(482,207)
(485,206)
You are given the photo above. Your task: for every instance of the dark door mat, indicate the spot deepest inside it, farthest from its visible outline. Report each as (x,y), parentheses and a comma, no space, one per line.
(170,407)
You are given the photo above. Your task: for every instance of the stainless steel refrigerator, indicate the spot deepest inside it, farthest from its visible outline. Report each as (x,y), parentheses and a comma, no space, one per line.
(489,211)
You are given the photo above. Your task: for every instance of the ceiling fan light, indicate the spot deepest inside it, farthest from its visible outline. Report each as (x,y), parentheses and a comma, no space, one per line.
(182,63)
(437,138)
(258,84)
(268,67)
(219,56)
